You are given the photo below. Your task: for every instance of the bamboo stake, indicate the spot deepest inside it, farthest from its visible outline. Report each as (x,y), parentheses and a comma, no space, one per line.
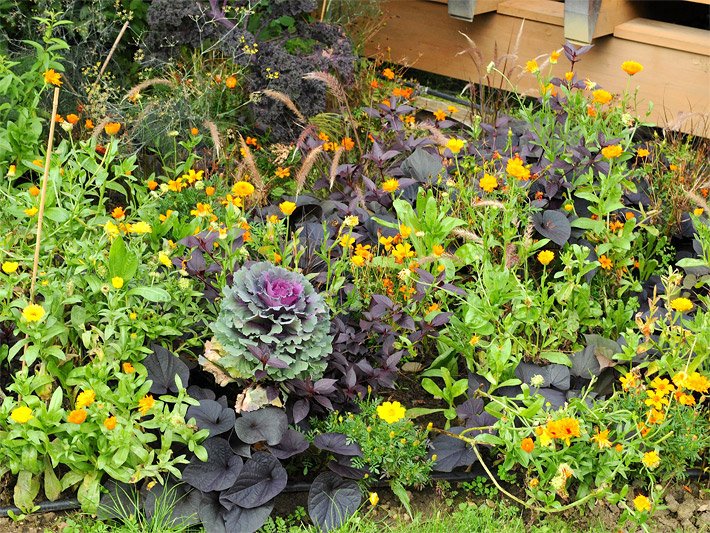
(43,192)
(113,49)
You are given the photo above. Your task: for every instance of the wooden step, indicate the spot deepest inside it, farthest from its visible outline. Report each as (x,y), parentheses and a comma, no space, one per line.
(547,11)
(664,34)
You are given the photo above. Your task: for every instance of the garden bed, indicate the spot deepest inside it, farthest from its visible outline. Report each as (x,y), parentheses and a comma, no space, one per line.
(259,269)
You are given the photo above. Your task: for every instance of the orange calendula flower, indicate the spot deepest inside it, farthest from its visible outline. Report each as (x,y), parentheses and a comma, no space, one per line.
(209,190)
(230,82)
(112,128)
(128,368)
(388,73)
(110,423)
(145,404)
(601,96)
(564,429)
(347,144)
(438,250)
(77,416)
(52,77)
(642,152)
(631,67)
(527,445)
(72,118)
(613,151)
(591,112)
(34,190)
(439,115)
(118,213)
(89,124)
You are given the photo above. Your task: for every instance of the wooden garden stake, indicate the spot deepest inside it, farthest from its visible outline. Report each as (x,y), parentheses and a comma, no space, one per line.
(43,192)
(113,49)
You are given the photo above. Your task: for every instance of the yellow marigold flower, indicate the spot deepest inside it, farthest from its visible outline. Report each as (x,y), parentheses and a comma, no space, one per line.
(374,499)
(85,399)
(283,172)
(517,169)
(488,183)
(605,262)
(22,414)
(531,66)
(390,185)
(402,252)
(651,459)
(642,152)
(128,368)
(110,423)
(32,211)
(405,231)
(388,73)
(455,145)
(52,77)
(686,399)
(346,241)
(631,67)
(287,207)
(77,416)
(545,257)
(612,152)
(145,404)
(439,115)
(642,503)
(662,385)
(201,210)
(438,250)
(117,282)
(554,56)
(698,211)
(697,382)
(243,188)
(601,438)
(655,399)
(601,96)
(10,267)
(33,313)
(112,128)
(629,381)
(391,412)
(681,304)
(357,260)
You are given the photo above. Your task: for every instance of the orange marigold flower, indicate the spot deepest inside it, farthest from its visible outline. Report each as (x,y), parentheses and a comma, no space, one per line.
(517,168)
(374,84)
(605,262)
(89,124)
(527,445)
(230,82)
(388,73)
(209,190)
(194,131)
(348,144)
(591,111)
(77,416)
(439,115)
(282,172)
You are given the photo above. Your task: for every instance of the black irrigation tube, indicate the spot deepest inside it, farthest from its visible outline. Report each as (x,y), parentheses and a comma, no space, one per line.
(71,504)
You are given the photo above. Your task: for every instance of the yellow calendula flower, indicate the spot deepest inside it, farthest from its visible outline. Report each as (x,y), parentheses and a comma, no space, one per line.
(601,438)
(681,304)
(52,77)
(140,228)
(85,399)
(391,412)
(613,151)
(111,229)
(531,66)
(601,96)
(127,368)
(22,414)
(488,183)
(243,189)
(33,313)
(374,499)
(642,504)
(545,257)
(631,67)
(164,259)
(651,459)
(77,416)
(10,267)
(117,282)
(30,212)
(390,185)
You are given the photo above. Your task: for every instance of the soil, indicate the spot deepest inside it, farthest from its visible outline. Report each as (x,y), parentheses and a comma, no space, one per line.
(34,523)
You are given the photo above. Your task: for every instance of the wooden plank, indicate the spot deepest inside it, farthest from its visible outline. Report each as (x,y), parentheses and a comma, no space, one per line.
(666,35)
(482,6)
(420,34)
(586,19)
(547,11)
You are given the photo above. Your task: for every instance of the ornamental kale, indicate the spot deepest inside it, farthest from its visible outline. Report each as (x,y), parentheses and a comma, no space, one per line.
(272,324)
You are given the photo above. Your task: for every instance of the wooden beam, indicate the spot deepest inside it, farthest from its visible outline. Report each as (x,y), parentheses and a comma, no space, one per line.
(548,11)
(481,6)
(420,34)
(665,35)
(586,19)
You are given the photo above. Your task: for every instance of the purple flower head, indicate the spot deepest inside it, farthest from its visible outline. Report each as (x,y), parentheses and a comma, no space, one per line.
(279,292)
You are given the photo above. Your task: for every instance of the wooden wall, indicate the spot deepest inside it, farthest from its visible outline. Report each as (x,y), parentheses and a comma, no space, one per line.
(420,34)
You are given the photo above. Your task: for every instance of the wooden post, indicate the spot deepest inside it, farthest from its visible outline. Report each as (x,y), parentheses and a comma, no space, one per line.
(462,9)
(588,19)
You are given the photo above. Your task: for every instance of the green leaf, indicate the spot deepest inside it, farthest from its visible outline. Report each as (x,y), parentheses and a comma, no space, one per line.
(416,412)
(432,388)
(26,490)
(556,357)
(152,294)
(52,486)
(487,438)
(121,262)
(89,492)
(401,493)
